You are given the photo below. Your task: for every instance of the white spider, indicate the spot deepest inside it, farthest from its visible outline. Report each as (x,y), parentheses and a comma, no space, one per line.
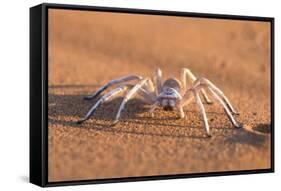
(170,94)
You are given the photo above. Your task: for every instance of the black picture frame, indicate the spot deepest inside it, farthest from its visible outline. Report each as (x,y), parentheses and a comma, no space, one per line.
(39,92)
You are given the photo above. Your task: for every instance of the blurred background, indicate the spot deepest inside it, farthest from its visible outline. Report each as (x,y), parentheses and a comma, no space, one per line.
(83,41)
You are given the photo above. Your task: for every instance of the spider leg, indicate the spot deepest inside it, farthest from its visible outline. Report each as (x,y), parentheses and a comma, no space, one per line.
(220,100)
(182,114)
(148,97)
(203,112)
(186,75)
(217,91)
(157,79)
(149,86)
(153,107)
(148,91)
(110,83)
(129,95)
(226,109)
(187,98)
(198,86)
(104,98)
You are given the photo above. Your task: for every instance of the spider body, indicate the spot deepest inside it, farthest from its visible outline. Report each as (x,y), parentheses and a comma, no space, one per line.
(170,94)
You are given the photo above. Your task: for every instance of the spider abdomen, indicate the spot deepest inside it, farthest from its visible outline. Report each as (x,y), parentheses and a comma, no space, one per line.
(171,83)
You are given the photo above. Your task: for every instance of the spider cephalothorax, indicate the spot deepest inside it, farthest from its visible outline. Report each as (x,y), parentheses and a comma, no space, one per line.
(170,94)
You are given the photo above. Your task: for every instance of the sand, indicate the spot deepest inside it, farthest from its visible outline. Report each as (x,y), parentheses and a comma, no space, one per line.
(88,49)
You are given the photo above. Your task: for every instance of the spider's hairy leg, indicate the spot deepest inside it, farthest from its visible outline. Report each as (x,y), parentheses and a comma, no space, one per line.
(147,96)
(218,92)
(203,112)
(128,96)
(104,98)
(182,114)
(149,86)
(187,75)
(226,109)
(148,92)
(157,80)
(112,82)
(187,98)
(153,107)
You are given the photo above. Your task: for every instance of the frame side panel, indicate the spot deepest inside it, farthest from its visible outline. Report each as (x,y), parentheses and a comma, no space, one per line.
(35,144)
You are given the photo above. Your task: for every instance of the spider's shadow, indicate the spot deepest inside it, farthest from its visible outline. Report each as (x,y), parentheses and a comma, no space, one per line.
(75,105)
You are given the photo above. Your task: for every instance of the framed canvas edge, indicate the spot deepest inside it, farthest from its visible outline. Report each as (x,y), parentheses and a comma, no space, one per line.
(36,136)
(44,96)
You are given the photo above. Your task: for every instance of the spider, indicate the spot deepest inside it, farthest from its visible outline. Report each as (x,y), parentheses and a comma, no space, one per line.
(169,94)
